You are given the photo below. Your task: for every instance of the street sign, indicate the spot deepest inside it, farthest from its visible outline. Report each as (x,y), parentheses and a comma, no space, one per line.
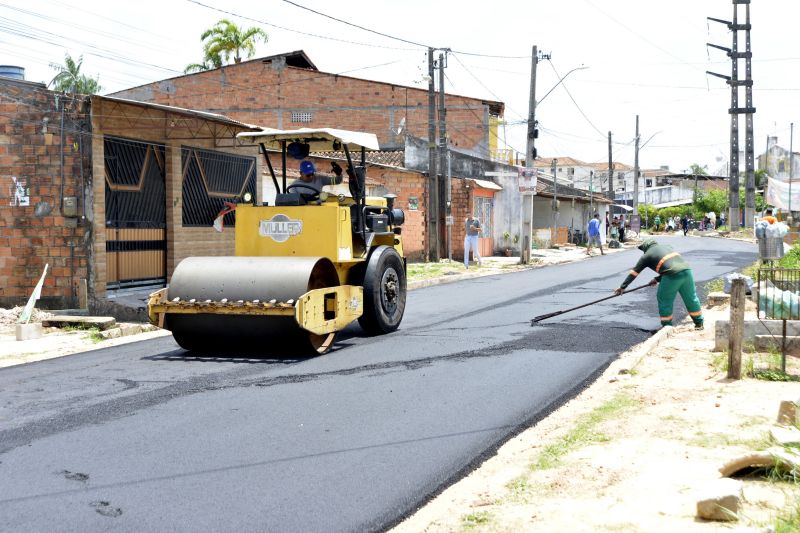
(527,179)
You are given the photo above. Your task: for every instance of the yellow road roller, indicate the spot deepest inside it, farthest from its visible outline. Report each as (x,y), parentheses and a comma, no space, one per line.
(304,268)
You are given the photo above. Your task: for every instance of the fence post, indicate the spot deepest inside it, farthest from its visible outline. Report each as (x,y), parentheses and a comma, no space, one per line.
(736,329)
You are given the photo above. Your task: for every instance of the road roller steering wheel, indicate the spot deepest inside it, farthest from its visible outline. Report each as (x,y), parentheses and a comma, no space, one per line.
(307,196)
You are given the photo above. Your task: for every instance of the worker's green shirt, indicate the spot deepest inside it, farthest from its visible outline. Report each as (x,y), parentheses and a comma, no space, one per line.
(661,258)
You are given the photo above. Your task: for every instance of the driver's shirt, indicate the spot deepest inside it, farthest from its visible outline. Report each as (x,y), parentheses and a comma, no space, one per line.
(310,187)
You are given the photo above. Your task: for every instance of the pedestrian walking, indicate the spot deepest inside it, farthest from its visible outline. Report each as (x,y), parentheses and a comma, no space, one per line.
(593,231)
(472,228)
(685,224)
(622,228)
(674,277)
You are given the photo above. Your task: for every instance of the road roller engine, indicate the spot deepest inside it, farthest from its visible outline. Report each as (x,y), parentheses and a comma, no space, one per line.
(304,268)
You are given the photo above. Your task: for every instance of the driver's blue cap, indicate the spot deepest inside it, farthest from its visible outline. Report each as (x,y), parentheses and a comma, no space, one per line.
(307,167)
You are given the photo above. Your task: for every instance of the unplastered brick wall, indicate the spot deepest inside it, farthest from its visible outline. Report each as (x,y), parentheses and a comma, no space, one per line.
(40,167)
(290,97)
(173,130)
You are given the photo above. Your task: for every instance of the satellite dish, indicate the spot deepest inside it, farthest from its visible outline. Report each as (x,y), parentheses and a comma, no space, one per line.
(402,126)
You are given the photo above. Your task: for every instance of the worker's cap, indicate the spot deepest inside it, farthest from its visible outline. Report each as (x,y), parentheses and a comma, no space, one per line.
(306,168)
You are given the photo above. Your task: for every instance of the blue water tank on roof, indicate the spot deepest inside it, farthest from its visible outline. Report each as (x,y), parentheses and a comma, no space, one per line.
(11,71)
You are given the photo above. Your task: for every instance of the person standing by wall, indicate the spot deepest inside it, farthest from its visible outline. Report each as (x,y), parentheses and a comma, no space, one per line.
(472,228)
(593,230)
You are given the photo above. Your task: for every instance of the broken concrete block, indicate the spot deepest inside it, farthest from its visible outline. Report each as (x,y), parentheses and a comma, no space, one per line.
(717,298)
(29,331)
(788,436)
(720,500)
(787,413)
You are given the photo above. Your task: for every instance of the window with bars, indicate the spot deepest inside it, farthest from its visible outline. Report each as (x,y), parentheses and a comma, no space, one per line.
(483,209)
(212,178)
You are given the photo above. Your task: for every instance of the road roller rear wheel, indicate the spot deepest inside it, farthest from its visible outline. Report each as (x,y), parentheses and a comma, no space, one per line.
(384,291)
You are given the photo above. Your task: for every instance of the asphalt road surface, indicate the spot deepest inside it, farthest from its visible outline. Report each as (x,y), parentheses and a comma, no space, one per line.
(148,437)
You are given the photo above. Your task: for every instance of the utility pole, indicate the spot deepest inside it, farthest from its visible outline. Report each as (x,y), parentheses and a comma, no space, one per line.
(442,208)
(555,201)
(533,131)
(734,81)
(610,170)
(433,182)
(636,171)
(791,170)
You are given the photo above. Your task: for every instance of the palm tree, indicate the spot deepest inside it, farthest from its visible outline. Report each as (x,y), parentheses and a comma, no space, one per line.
(209,63)
(69,78)
(226,39)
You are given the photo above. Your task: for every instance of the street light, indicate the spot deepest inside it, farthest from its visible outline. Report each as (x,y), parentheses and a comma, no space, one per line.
(560,81)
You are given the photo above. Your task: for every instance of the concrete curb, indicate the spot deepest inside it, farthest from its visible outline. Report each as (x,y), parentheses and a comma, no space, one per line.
(420,284)
(644,348)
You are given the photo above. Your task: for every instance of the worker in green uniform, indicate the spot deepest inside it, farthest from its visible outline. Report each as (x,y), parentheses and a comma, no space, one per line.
(674,276)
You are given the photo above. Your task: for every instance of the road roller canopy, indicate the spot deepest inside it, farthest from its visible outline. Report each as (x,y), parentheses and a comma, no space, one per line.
(318,139)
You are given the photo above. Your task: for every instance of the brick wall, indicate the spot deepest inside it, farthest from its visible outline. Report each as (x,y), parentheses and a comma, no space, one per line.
(256,93)
(46,160)
(174,131)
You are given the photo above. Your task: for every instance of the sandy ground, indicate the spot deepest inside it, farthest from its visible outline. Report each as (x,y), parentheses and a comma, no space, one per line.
(635,451)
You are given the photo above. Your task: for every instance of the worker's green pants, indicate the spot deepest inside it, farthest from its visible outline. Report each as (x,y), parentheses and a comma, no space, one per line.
(668,287)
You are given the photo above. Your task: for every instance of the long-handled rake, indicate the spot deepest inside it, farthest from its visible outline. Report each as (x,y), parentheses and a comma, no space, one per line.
(539,318)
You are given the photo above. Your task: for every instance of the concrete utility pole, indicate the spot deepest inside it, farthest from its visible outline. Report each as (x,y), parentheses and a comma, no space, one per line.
(442,208)
(636,171)
(533,131)
(791,169)
(530,149)
(433,182)
(553,164)
(734,81)
(610,170)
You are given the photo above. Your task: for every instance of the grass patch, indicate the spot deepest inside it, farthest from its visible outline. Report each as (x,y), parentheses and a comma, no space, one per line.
(584,433)
(420,271)
(473,520)
(94,335)
(519,489)
(716,440)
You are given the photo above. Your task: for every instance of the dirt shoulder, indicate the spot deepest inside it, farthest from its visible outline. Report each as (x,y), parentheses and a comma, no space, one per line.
(634,452)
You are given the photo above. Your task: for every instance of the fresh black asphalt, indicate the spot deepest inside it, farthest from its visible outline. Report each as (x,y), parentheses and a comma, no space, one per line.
(148,437)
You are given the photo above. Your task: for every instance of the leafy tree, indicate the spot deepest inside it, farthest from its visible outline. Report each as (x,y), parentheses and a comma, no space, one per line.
(69,78)
(761,177)
(697,169)
(227,40)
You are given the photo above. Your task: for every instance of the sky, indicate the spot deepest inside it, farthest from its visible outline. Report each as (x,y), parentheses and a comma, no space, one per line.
(609,60)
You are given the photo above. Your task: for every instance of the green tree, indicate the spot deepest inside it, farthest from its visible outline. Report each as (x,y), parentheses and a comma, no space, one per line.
(209,63)
(697,169)
(69,78)
(761,177)
(227,40)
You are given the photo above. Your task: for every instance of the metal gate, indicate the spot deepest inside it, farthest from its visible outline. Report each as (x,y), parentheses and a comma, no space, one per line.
(136,240)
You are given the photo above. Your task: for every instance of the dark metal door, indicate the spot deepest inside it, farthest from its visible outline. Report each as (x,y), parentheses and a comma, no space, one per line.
(136,240)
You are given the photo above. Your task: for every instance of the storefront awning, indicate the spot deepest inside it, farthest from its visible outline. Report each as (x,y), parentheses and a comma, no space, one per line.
(484,184)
